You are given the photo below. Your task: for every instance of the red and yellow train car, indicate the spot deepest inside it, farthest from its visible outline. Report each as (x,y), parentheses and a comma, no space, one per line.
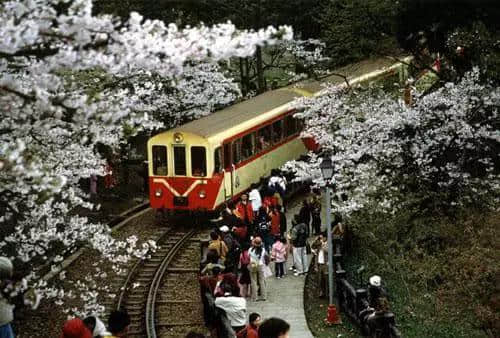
(202,164)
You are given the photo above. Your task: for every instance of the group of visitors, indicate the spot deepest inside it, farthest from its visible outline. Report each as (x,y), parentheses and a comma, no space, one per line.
(92,326)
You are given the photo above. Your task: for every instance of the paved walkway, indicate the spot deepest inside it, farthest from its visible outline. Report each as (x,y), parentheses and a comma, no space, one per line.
(285,297)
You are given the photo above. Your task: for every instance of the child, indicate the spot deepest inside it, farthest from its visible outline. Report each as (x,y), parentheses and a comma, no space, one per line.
(279,256)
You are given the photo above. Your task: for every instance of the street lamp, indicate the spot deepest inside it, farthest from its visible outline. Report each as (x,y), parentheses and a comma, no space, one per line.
(327,168)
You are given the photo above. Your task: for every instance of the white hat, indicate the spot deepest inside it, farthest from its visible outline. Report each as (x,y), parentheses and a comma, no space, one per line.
(224,228)
(375,280)
(6,268)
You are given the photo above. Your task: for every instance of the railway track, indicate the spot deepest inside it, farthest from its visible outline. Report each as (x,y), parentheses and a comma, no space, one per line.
(161,294)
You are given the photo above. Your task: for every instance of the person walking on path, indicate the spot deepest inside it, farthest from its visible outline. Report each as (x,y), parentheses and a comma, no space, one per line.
(274,328)
(257,265)
(279,256)
(299,240)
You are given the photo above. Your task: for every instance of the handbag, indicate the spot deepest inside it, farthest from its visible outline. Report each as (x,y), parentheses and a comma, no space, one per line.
(267,271)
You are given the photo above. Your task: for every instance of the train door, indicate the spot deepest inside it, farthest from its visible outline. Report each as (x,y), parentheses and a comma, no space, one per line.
(228,172)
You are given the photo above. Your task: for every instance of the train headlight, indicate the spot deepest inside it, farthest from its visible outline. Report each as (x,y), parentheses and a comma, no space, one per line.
(158,192)
(202,194)
(178,138)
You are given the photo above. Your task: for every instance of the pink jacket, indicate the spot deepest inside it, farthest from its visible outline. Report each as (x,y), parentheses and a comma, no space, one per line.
(278,252)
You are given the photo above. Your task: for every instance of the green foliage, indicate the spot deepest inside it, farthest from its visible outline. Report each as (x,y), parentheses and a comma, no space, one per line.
(356,29)
(439,270)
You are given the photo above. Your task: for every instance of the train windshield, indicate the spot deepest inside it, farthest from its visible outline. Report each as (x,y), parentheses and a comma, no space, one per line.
(198,161)
(180,160)
(159,160)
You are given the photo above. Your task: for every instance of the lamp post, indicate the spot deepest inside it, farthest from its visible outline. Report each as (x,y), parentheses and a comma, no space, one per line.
(327,168)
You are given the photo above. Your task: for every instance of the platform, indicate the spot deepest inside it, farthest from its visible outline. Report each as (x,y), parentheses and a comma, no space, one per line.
(285,297)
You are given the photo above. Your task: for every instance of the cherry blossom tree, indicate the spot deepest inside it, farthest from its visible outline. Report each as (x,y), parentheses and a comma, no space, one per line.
(440,153)
(51,120)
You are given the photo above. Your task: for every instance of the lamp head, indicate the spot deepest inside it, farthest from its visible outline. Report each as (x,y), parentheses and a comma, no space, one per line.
(326,167)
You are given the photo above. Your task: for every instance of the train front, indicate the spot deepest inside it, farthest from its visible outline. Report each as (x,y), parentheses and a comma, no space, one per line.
(180,173)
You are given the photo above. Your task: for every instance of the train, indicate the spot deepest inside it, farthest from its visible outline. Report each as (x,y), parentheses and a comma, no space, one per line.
(203,164)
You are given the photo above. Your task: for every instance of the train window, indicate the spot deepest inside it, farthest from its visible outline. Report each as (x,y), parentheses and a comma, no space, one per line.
(264,138)
(290,125)
(236,151)
(159,160)
(277,131)
(227,156)
(247,146)
(218,160)
(180,160)
(198,161)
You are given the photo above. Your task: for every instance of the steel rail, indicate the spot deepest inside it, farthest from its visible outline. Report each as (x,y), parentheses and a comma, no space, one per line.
(155,284)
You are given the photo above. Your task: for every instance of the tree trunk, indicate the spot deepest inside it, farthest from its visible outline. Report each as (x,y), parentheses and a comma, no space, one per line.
(261,82)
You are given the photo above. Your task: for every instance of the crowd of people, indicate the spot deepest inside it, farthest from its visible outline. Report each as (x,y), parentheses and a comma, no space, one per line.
(250,238)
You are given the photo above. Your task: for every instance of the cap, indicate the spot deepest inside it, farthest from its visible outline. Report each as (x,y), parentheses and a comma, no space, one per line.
(224,228)
(375,280)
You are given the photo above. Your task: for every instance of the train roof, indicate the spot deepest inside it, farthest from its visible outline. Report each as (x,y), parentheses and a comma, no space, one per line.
(246,114)
(239,113)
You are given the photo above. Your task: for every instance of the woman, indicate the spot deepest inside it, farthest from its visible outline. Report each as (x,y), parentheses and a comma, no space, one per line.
(244,280)
(257,265)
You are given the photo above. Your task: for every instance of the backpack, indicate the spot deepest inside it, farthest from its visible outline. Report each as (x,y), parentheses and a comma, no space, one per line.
(245,258)
(263,227)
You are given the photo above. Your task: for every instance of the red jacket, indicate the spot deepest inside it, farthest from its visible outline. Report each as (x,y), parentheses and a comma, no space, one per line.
(275,223)
(243,209)
(270,201)
(241,232)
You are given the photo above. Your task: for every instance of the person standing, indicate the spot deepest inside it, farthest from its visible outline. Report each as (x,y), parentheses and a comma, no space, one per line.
(320,250)
(299,240)
(244,280)
(305,215)
(255,199)
(315,207)
(245,210)
(283,224)
(279,256)
(257,265)
(275,222)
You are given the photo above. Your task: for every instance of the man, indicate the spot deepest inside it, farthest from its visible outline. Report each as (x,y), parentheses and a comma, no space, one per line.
(235,308)
(118,324)
(245,210)
(320,250)
(251,330)
(255,198)
(299,241)
(274,328)
(315,206)
(218,245)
